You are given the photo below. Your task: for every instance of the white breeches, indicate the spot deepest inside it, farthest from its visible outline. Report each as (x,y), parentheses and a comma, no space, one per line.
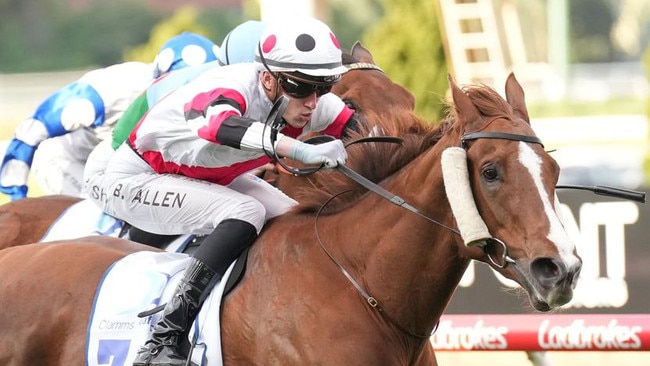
(126,187)
(59,162)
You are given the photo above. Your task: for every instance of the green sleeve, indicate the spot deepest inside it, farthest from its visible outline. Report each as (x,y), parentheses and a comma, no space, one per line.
(129,119)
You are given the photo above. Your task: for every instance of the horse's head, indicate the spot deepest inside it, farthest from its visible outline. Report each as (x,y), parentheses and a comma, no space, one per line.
(513,185)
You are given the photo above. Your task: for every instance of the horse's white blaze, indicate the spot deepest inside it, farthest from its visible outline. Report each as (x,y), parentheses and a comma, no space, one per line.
(557,234)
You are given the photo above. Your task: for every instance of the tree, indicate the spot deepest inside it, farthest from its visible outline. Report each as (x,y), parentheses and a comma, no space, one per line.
(407,44)
(49,36)
(184,19)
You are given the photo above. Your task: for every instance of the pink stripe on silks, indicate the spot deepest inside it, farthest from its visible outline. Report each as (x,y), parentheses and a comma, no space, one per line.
(202,101)
(218,175)
(209,131)
(291,131)
(336,128)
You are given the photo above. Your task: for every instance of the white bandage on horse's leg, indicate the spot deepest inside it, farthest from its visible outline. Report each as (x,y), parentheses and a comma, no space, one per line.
(459,193)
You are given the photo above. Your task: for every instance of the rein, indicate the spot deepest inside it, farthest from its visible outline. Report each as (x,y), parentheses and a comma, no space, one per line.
(275,123)
(505,259)
(394,199)
(492,244)
(372,301)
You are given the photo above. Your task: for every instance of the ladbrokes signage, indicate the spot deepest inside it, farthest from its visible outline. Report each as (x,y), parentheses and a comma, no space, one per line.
(612,238)
(537,332)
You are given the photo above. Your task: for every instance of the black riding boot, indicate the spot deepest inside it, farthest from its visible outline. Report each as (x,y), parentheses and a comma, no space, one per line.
(210,262)
(164,346)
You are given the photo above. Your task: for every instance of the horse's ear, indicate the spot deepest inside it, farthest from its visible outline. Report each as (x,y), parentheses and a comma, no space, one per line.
(361,53)
(516,98)
(465,110)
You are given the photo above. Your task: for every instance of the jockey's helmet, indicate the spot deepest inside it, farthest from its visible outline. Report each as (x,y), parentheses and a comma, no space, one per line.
(185,49)
(304,48)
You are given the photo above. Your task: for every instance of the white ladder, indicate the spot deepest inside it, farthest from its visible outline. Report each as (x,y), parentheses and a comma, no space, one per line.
(472,41)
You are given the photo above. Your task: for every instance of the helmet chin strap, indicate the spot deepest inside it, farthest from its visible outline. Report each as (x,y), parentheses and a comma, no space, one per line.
(459,193)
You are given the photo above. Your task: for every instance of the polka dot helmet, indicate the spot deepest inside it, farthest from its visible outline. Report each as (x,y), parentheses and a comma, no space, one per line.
(185,49)
(305,46)
(240,44)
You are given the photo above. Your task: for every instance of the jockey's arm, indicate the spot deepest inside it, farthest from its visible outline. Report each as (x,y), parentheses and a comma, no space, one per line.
(74,106)
(224,124)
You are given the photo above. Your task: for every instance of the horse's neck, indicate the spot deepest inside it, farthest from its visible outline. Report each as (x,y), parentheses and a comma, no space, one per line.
(409,263)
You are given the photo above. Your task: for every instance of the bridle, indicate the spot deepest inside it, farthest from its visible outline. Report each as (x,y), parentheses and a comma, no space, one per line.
(363,66)
(276,115)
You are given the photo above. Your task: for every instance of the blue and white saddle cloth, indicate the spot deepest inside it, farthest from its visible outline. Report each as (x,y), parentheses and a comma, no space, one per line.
(83,218)
(138,282)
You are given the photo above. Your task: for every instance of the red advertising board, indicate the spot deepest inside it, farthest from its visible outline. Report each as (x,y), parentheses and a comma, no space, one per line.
(539,332)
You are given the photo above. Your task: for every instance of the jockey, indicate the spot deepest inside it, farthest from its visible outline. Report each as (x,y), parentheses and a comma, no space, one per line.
(71,122)
(184,167)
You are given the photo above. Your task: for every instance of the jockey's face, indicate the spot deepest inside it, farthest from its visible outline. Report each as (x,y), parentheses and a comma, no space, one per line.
(303,97)
(299,110)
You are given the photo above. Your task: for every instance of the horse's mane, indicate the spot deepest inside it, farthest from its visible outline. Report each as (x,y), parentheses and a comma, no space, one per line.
(489,103)
(375,161)
(378,161)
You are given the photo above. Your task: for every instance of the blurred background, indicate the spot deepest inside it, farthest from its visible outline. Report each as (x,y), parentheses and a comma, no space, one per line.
(582,63)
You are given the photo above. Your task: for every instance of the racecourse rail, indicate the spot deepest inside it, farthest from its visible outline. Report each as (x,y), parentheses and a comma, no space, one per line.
(543,332)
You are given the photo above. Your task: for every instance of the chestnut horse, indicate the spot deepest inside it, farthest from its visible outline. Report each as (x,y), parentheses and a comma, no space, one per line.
(365,86)
(350,277)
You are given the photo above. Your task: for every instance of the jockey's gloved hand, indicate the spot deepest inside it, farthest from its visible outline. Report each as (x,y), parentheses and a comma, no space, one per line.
(330,153)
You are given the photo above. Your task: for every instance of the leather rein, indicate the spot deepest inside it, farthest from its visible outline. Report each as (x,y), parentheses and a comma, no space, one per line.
(396,200)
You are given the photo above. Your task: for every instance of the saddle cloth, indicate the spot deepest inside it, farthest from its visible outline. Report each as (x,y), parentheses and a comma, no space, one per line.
(84,218)
(138,282)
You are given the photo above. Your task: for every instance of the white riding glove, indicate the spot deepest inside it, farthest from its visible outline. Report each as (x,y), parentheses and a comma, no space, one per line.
(330,153)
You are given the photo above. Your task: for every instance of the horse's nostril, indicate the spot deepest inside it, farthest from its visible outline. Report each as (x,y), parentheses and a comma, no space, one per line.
(548,271)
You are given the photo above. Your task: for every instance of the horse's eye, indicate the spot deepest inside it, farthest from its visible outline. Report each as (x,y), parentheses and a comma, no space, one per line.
(490,174)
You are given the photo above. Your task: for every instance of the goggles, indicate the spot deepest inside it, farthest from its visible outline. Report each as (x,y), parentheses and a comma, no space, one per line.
(300,89)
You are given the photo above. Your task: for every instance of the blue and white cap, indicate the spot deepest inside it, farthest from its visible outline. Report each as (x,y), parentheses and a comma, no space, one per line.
(185,49)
